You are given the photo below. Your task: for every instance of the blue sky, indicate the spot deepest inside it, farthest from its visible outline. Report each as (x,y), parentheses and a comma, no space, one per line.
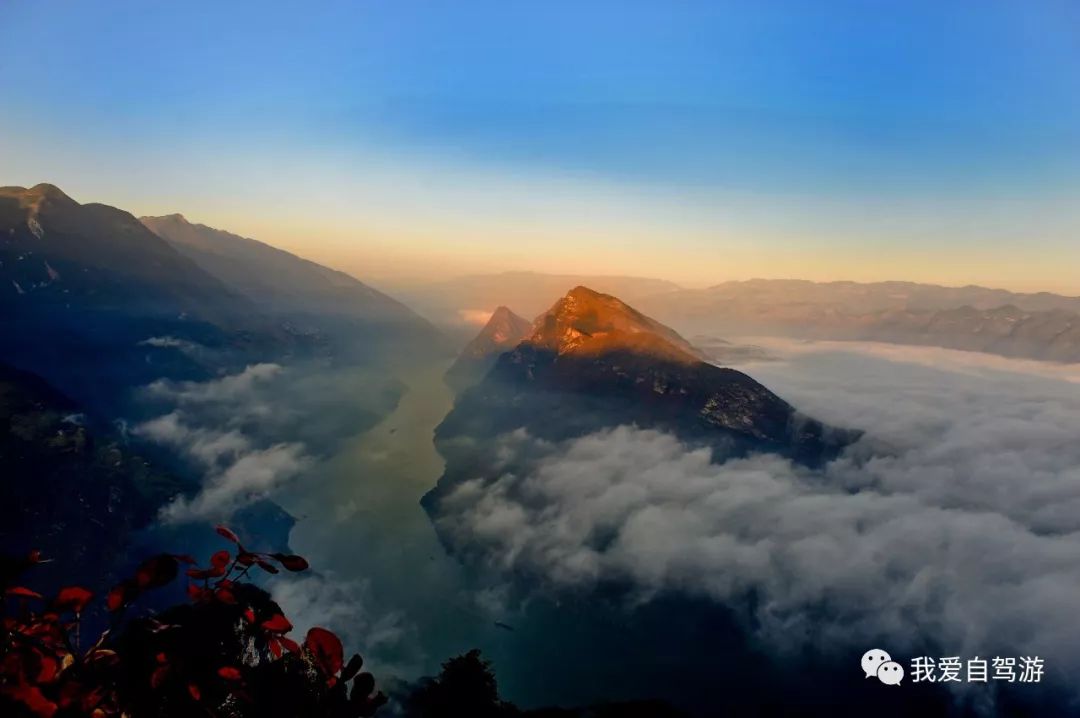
(699,141)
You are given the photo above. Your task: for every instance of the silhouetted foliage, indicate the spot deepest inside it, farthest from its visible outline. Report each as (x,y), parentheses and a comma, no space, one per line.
(226,653)
(465,687)
(632,709)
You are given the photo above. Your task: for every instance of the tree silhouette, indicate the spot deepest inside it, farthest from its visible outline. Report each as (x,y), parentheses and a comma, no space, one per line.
(466,686)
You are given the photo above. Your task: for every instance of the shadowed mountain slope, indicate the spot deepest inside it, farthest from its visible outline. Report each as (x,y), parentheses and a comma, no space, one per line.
(332,306)
(83,287)
(69,488)
(57,252)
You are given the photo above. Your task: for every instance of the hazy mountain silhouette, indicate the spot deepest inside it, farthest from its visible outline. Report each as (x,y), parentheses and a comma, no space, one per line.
(530,293)
(329,305)
(1035,326)
(61,254)
(502,332)
(81,286)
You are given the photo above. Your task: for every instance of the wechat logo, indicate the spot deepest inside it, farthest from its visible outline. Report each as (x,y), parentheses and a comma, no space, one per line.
(877,663)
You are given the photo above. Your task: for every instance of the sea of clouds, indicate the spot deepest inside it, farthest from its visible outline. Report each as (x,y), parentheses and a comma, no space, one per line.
(207,424)
(955,520)
(251,432)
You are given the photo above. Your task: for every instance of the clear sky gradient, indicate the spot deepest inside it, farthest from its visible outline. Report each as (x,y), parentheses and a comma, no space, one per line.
(696,141)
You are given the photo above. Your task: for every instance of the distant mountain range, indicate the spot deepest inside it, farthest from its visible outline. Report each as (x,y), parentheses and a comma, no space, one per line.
(328,305)
(82,286)
(1035,326)
(97,302)
(864,297)
(1038,325)
(457,301)
(593,362)
(64,256)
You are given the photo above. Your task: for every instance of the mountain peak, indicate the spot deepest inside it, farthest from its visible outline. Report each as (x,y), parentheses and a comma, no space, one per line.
(37,194)
(583,292)
(504,331)
(589,322)
(174,222)
(49,191)
(505,327)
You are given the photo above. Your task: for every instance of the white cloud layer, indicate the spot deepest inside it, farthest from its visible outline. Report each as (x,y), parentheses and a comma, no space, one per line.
(347,609)
(238,469)
(249,478)
(239,387)
(956,518)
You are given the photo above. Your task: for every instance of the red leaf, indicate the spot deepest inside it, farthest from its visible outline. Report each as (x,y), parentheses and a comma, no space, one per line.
(327,650)
(219,566)
(275,648)
(291,562)
(224,595)
(22,592)
(195,593)
(49,668)
(34,699)
(157,571)
(220,559)
(226,533)
(289,643)
(121,595)
(246,558)
(249,615)
(72,598)
(194,691)
(277,624)
(105,657)
(158,676)
(269,568)
(229,673)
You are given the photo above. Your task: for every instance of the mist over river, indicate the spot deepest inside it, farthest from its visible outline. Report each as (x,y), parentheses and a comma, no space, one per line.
(952,438)
(384,582)
(383,576)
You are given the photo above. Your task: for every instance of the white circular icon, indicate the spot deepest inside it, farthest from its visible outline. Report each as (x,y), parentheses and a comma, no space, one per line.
(872,660)
(890,673)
